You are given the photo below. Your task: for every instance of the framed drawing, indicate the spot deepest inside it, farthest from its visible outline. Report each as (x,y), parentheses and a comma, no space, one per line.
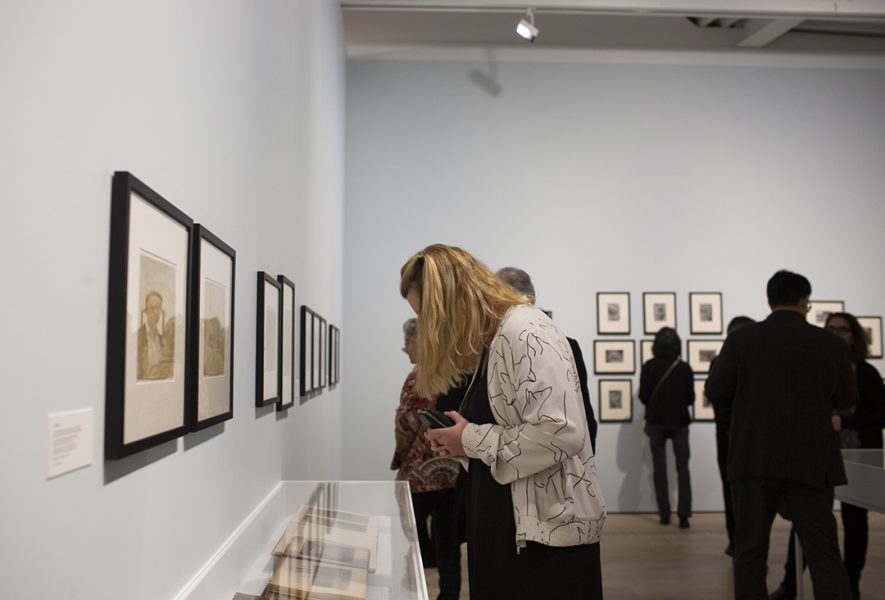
(658,310)
(212,331)
(267,345)
(701,353)
(821,309)
(307,352)
(645,351)
(614,356)
(702,409)
(286,374)
(615,400)
(317,355)
(705,309)
(324,367)
(872,327)
(147,378)
(613,312)
(334,354)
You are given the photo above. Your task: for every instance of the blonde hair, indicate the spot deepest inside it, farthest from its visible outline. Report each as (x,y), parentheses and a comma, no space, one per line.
(461,304)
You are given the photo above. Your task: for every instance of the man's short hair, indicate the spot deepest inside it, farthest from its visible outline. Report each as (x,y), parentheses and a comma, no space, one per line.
(410,328)
(786,288)
(519,280)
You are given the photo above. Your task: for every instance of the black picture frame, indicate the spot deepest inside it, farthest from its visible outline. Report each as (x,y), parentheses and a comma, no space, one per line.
(609,412)
(148,346)
(702,408)
(286,373)
(309,385)
(321,352)
(872,327)
(213,287)
(820,310)
(614,357)
(334,355)
(658,310)
(705,313)
(267,340)
(701,353)
(613,313)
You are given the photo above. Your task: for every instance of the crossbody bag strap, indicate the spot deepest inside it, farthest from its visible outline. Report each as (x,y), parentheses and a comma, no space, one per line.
(661,380)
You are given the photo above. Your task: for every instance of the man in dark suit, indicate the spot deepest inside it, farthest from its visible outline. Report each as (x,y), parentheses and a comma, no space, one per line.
(782,379)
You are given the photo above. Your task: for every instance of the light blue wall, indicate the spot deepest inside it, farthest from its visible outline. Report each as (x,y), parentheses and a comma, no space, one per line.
(234,112)
(605,178)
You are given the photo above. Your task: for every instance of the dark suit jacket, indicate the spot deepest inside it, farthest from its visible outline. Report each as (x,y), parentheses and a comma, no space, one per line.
(582,377)
(782,379)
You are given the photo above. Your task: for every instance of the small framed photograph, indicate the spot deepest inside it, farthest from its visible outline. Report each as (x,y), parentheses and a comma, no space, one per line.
(613,312)
(701,353)
(645,350)
(267,354)
(317,360)
(334,354)
(872,327)
(822,309)
(148,347)
(614,356)
(615,400)
(287,344)
(212,323)
(659,310)
(702,409)
(307,351)
(324,353)
(706,312)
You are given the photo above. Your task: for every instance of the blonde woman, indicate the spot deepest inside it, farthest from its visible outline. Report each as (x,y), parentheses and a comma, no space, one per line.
(534,510)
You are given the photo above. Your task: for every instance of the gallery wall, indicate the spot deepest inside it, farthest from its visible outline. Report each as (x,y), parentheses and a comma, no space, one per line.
(604,177)
(233,111)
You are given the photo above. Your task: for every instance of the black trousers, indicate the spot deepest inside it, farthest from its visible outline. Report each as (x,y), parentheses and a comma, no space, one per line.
(756,501)
(440,507)
(856,530)
(658,436)
(722,459)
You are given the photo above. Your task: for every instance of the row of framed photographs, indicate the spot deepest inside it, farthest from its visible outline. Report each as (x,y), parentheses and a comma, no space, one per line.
(659,310)
(618,357)
(616,402)
(820,310)
(320,353)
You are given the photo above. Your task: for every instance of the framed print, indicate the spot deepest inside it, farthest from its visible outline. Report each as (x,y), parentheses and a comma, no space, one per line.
(613,312)
(701,353)
(334,354)
(147,375)
(821,309)
(212,331)
(702,409)
(658,310)
(615,400)
(267,346)
(705,309)
(872,327)
(317,355)
(286,374)
(614,356)
(323,331)
(645,351)
(307,351)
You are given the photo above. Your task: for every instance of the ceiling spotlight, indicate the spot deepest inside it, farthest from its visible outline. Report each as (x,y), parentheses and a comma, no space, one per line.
(526,27)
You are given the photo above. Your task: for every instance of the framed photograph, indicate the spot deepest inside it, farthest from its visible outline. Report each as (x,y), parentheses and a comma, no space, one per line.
(615,400)
(308,349)
(317,358)
(614,356)
(148,375)
(701,353)
(645,351)
(323,354)
(659,310)
(334,354)
(212,331)
(822,309)
(286,373)
(267,354)
(613,312)
(706,312)
(872,327)
(702,409)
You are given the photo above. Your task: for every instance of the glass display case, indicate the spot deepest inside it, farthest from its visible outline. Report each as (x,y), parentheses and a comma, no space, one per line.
(339,541)
(865,470)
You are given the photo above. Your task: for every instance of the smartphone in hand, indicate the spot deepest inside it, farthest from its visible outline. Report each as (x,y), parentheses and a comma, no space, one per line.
(434,419)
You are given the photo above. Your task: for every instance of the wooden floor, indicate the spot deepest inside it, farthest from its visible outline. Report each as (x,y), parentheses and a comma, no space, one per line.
(643,559)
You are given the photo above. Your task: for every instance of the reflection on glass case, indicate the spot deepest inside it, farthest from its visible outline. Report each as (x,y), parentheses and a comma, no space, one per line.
(339,541)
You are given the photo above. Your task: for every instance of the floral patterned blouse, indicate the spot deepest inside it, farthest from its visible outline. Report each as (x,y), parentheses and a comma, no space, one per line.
(415,461)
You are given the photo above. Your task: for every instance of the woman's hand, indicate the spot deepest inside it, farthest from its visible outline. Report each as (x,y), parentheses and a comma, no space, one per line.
(447,442)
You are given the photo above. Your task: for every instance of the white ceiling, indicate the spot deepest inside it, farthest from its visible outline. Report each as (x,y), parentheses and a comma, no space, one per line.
(853,29)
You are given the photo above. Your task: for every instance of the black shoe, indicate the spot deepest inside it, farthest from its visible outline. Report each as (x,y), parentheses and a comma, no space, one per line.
(729,551)
(683,523)
(665,520)
(781,593)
